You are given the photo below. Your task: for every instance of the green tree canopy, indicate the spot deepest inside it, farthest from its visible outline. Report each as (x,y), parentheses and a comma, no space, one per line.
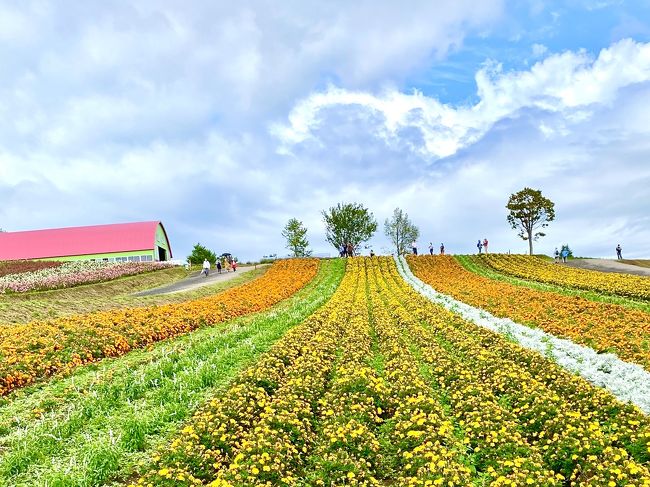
(295,234)
(529,213)
(349,223)
(200,253)
(400,230)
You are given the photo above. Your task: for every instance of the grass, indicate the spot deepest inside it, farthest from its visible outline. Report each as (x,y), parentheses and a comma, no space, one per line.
(637,262)
(100,423)
(470,263)
(22,308)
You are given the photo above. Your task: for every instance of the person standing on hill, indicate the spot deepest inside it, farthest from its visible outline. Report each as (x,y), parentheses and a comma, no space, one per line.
(619,251)
(234,265)
(479,245)
(431,248)
(350,250)
(565,254)
(556,254)
(414,245)
(206,267)
(219,266)
(485,244)
(442,249)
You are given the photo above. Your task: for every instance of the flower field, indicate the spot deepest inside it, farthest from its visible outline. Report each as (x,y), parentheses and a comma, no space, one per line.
(37,350)
(19,266)
(32,276)
(601,326)
(382,387)
(536,269)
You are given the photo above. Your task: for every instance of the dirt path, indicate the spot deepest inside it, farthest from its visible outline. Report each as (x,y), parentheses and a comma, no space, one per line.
(607,265)
(194,281)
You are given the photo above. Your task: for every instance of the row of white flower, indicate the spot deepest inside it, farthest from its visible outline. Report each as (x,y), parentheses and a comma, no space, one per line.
(628,382)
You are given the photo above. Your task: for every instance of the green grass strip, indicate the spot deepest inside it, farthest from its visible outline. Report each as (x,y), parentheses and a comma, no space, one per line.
(469,263)
(105,419)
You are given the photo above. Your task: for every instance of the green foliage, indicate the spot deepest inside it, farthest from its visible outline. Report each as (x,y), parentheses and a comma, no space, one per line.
(296,236)
(349,223)
(200,253)
(529,213)
(400,230)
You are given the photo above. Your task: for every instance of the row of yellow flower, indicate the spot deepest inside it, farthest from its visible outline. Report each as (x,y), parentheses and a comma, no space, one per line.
(382,386)
(258,430)
(536,269)
(602,326)
(40,349)
(554,422)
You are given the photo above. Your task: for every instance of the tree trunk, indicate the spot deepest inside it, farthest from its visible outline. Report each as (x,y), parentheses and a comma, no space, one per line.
(530,242)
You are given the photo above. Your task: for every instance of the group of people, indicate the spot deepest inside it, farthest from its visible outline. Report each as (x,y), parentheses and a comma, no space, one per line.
(226,265)
(347,250)
(482,245)
(414,248)
(561,255)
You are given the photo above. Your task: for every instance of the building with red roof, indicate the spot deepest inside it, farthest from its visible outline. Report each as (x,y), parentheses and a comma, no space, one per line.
(121,242)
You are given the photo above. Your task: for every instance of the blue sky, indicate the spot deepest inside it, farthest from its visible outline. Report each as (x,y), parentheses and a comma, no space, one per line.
(225,120)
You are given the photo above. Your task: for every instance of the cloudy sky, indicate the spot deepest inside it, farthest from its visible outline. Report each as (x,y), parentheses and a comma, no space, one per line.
(225,119)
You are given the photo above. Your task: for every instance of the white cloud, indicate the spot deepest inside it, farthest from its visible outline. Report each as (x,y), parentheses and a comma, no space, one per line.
(567,83)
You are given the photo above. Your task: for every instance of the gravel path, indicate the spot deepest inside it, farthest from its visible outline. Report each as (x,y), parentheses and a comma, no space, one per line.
(607,265)
(194,281)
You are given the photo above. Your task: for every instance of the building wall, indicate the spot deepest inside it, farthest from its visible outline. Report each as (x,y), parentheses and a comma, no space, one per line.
(161,241)
(148,255)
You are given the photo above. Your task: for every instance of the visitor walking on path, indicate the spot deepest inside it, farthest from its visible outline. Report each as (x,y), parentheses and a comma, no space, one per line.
(565,254)
(414,245)
(556,254)
(350,250)
(431,248)
(344,250)
(206,267)
(442,249)
(234,265)
(479,245)
(619,251)
(485,244)
(219,267)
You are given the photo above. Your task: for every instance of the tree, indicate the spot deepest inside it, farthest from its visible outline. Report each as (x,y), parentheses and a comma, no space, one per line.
(200,253)
(400,230)
(530,212)
(296,235)
(349,223)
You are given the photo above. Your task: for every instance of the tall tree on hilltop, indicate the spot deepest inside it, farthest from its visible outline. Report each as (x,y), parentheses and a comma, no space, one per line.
(530,212)
(201,253)
(349,223)
(296,235)
(400,230)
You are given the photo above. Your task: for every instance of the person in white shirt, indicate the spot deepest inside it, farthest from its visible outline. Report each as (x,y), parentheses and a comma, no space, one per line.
(431,248)
(206,267)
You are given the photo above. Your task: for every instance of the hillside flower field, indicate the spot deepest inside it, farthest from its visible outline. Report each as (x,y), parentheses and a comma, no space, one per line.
(39,349)
(60,275)
(539,270)
(366,371)
(382,387)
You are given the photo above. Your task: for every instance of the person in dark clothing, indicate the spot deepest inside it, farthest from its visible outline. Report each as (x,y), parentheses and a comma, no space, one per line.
(350,250)
(219,266)
(619,251)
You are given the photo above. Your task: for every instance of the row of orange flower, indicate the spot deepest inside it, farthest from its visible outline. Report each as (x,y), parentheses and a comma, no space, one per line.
(602,326)
(40,349)
(381,386)
(536,269)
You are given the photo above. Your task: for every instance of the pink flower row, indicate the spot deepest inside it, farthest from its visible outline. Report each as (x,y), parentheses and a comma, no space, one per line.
(74,274)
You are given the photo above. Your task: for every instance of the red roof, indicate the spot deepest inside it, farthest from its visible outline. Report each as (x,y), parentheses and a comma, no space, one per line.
(62,242)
